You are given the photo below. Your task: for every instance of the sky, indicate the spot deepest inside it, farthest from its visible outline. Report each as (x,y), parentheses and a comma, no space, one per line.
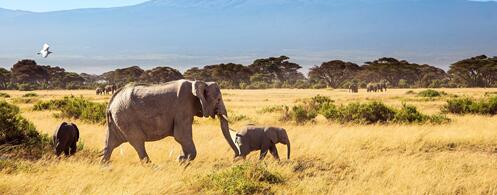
(54,5)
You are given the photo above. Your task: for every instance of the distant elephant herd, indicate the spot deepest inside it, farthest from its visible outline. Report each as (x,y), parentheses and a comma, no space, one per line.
(370,87)
(108,89)
(139,113)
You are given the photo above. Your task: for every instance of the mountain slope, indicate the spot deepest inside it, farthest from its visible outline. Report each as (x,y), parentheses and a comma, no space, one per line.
(199,32)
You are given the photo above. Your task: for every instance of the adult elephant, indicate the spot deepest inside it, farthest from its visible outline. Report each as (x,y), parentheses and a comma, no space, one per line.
(140,113)
(110,89)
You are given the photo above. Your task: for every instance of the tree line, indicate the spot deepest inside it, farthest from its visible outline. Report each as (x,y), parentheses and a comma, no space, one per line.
(272,72)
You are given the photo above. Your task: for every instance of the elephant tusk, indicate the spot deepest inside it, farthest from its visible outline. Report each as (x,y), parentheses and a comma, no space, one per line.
(225,117)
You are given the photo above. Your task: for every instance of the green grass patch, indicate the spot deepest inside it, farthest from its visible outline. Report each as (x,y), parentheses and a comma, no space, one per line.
(241,179)
(430,93)
(4,95)
(31,94)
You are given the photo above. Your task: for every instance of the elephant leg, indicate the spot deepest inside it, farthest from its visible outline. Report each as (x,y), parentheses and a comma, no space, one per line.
(139,146)
(183,135)
(274,152)
(58,149)
(74,147)
(263,154)
(244,150)
(66,150)
(188,147)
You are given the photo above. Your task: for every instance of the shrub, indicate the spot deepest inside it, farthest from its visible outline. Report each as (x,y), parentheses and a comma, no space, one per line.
(372,112)
(75,107)
(430,93)
(302,114)
(4,95)
(360,113)
(466,105)
(30,95)
(241,179)
(18,134)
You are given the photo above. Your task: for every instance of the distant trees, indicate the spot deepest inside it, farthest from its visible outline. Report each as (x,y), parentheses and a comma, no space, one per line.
(4,78)
(160,75)
(479,71)
(272,72)
(334,73)
(227,75)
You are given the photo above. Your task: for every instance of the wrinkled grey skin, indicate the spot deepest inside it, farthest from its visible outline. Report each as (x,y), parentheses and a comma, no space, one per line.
(252,138)
(99,91)
(65,139)
(110,89)
(143,113)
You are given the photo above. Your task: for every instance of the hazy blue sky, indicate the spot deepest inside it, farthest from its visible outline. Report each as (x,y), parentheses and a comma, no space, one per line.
(52,5)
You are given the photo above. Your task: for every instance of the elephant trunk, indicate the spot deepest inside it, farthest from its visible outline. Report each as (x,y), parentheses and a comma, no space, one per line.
(288,150)
(226,133)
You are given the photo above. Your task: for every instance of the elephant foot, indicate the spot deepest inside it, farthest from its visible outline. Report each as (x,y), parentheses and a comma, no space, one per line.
(146,160)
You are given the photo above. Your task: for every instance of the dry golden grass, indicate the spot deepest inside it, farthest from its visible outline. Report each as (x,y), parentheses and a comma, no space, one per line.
(327,158)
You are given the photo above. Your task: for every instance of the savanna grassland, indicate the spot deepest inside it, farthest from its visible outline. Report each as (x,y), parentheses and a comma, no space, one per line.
(459,157)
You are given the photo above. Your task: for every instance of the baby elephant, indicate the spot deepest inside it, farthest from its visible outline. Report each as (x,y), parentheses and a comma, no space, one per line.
(253,138)
(65,139)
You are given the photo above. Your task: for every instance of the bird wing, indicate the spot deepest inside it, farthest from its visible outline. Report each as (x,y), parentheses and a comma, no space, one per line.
(45,47)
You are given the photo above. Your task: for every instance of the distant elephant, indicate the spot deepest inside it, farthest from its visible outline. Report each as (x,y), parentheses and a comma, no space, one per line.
(353,88)
(110,89)
(382,86)
(253,138)
(65,139)
(139,113)
(99,91)
(372,87)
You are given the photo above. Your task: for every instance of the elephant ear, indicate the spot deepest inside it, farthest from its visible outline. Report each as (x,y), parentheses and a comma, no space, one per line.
(198,90)
(271,134)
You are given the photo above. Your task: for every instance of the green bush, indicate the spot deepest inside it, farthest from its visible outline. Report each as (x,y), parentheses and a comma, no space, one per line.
(18,134)
(430,93)
(4,95)
(241,179)
(466,105)
(367,113)
(31,94)
(359,113)
(75,107)
(302,114)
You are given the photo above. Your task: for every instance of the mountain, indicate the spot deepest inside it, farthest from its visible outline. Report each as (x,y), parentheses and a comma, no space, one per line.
(186,33)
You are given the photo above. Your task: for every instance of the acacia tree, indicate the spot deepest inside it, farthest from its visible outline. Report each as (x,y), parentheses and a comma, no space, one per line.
(27,71)
(160,75)
(277,69)
(4,78)
(227,75)
(334,73)
(477,71)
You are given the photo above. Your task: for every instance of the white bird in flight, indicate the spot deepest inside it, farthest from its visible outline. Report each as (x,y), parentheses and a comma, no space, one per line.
(45,51)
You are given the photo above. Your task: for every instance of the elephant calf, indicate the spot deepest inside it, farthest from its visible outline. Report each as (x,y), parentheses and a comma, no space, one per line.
(65,139)
(253,138)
